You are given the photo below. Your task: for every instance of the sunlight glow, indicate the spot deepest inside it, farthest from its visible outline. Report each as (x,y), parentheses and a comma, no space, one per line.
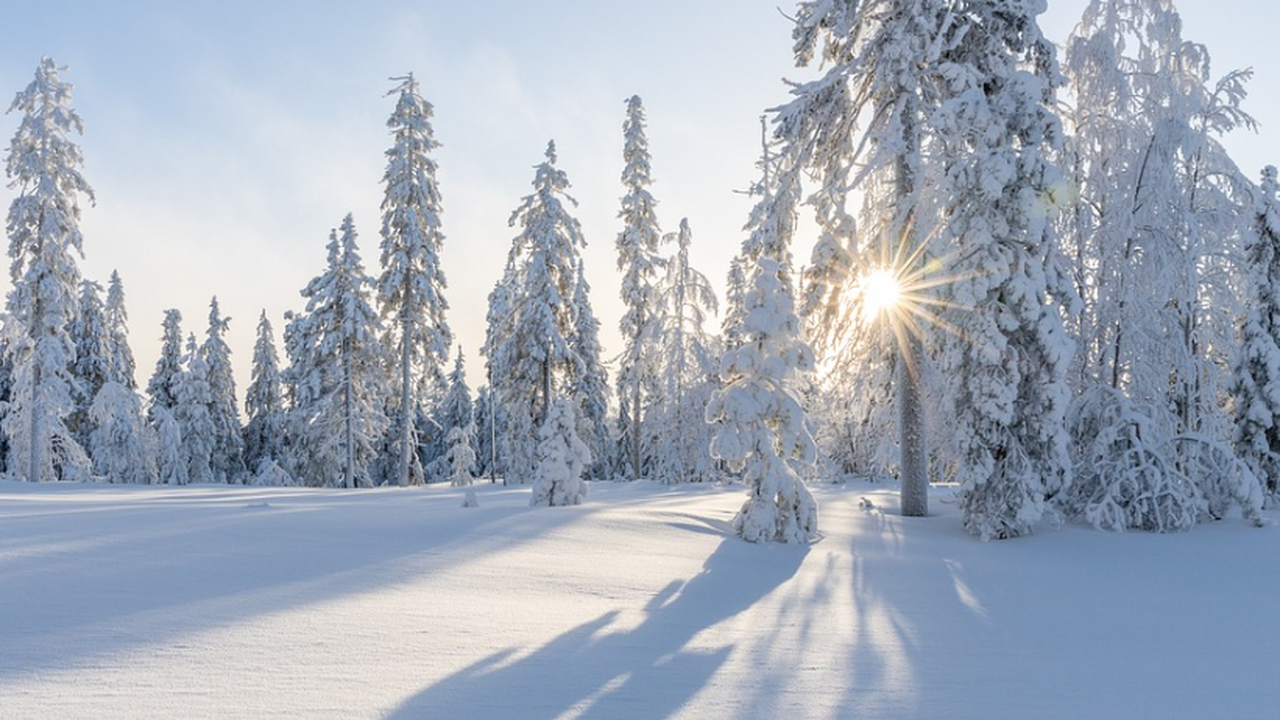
(881,291)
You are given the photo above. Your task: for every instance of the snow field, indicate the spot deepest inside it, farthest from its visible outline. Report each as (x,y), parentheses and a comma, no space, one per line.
(233,602)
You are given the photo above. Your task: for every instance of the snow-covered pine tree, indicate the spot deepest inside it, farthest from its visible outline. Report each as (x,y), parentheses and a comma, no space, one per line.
(534,351)
(640,263)
(498,328)
(486,435)
(411,287)
(122,368)
(7,326)
(432,447)
(689,357)
(881,60)
(1256,388)
(227,460)
(561,461)
(589,381)
(1011,354)
(761,428)
(456,411)
(264,434)
(462,459)
(123,446)
(171,457)
(162,388)
(338,418)
(43,165)
(91,368)
(194,413)
(735,293)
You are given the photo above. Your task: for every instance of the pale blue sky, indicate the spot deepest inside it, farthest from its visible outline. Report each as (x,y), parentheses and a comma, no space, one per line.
(225,139)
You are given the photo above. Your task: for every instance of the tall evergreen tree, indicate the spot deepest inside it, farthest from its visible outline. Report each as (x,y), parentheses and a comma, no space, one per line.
(457,409)
(92,367)
(640,263)
(43,165)
(881,60)
(689,361)
(228,448)
(338,362)
(735,292)
(123,368)
(761,427)
(535,348)
(411,287)
(123,446)
(589,381)
(1011,356)
(194,415)
(1257,370)
(162,388)
(498,328)
(264,434)
(486,435)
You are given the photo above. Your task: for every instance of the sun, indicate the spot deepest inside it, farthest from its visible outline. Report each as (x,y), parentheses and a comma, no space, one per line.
(881,291)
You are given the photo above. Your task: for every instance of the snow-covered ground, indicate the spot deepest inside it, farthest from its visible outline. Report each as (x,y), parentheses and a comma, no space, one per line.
(201,602)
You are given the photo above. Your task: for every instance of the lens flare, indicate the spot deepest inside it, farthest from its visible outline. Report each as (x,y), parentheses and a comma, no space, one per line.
(880,291)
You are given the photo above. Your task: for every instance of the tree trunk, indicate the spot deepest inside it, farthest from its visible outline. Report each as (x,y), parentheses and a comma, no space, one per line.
(406,412)
(635,407)
(546,388)
(349,439)
(914,462)
(36,416)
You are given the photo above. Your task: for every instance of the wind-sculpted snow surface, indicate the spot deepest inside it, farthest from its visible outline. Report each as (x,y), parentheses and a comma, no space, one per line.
(240,602)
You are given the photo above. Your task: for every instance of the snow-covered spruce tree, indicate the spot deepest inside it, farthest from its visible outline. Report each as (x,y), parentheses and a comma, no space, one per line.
(761,428)
(1256,389)
(689,359)
(338,417)
(589,381)
(486,435)
(498,329)
(123,446)
(93,357)
(264,434)
(735,293)
(534,352)
(881,81)
(456,410)
(433,447)
(43,165)
(562,459)
(462,459)
(171,457)
(228,448)
(7,326)
(411,287)
(162,388)
(640,263)
(1011,353)
(194,413)
(1152,240)
(121,365)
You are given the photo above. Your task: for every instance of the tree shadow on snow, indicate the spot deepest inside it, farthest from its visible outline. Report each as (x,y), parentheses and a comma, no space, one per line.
(222,559)
(647,671)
